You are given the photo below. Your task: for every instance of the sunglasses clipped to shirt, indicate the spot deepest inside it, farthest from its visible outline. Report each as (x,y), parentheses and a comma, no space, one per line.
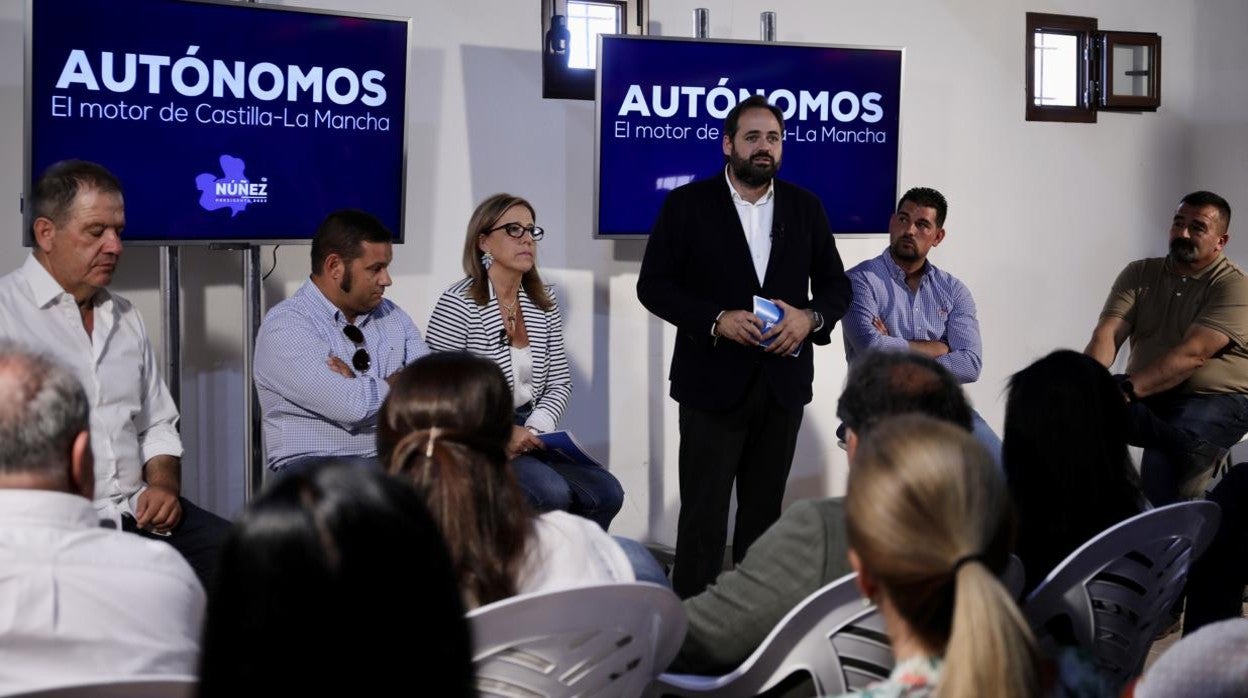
(360,360)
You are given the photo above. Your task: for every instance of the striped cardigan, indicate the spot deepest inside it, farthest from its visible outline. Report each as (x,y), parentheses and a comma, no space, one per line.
(459,324)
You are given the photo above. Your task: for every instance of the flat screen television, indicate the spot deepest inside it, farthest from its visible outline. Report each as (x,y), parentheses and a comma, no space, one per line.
(660,111)
(225,121)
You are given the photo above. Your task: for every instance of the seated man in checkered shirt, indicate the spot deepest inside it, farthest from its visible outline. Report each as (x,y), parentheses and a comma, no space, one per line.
(325,357)
(902,302)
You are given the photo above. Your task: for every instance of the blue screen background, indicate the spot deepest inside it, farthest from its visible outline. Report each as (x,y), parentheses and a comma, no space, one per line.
(857,182)
(309,171)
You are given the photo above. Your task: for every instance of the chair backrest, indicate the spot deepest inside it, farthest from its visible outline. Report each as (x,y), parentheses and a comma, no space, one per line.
(832,635)
(606,640)
(1111,595)
(140,687)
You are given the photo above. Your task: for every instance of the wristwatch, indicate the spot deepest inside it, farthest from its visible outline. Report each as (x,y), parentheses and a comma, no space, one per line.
(816,320)
(1127,388)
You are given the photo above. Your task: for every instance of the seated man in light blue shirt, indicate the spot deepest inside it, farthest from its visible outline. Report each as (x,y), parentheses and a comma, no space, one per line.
(325,356)
(902,302)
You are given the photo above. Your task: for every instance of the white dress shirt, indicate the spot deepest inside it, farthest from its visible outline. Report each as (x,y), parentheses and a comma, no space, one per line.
(756,220)
(80,603)
(133,418)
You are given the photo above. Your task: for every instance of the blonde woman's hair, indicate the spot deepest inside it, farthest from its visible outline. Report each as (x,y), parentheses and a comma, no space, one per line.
(483,219)
(930,519)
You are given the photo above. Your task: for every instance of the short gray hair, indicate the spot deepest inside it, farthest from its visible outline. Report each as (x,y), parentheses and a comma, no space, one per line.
(42,409)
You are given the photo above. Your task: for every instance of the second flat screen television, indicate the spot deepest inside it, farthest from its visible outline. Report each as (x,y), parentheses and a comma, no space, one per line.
(661,105)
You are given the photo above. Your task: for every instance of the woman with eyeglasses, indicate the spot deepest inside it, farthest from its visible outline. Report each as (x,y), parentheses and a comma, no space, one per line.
(502,311)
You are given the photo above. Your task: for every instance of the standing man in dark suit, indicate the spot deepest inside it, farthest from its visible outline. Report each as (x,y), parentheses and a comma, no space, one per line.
(717,243)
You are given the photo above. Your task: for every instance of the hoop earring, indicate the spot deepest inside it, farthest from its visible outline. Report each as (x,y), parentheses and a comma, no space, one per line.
(487,260)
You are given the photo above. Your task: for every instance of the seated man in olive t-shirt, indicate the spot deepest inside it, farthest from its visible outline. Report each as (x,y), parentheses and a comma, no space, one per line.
(1186,315)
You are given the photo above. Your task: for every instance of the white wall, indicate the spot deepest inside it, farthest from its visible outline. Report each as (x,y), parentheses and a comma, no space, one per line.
(1042,215)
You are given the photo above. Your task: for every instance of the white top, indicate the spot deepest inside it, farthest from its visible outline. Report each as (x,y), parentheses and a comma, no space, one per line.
(133,418)
(522,370)
(570,552)
(81,603)
(756,220)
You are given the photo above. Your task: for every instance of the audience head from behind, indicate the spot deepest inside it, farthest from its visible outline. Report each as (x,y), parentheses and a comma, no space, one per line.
(884,384)
(79,602)
(929,524)
(318,576)
(351,255)
(1065,457)
(444,427)
(44,440)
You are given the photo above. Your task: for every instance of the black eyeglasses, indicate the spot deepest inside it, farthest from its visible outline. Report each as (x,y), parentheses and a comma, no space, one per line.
(361,361)
(517,231)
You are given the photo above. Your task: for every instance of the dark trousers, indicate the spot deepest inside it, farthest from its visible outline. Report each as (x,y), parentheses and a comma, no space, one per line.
(751,443)
(1181,433)
(1215,588)
(198,536)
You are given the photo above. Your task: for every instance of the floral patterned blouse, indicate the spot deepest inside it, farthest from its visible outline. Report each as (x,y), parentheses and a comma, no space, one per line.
(1071,674)
(916,677)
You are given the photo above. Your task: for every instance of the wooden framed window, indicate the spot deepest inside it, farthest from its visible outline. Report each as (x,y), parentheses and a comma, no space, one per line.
(1059,78)
(570,30)
(1074,69)
(1130,71)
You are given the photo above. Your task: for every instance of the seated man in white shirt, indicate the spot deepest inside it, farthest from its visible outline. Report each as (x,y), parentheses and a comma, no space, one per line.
(78,603)
(57,302)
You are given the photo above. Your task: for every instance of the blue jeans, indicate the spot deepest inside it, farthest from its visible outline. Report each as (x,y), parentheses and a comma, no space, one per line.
(1181,431)
(645,567)
(586,491)
(582,490)
(299,465)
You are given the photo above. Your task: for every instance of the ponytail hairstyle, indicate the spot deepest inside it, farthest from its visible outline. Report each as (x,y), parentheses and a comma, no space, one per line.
(930,520)
(444,427)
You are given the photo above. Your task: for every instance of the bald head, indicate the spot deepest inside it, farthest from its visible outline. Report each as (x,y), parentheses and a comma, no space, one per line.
(885,384)
(43,423)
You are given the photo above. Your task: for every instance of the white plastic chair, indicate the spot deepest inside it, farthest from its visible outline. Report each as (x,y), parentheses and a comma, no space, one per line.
(607,640)
(831,635)
(138,687)
(1112,594)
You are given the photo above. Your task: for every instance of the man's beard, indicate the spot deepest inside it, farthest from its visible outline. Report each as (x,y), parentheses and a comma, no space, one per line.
(345,284)
(905,254)
(751,174)
(1184,250)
